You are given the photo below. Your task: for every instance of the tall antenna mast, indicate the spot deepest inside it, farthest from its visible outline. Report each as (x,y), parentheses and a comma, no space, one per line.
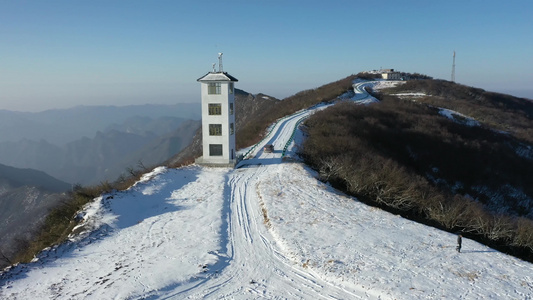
(220,62)
(453,67)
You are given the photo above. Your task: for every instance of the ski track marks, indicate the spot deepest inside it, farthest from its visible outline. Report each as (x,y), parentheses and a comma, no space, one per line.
(258,268)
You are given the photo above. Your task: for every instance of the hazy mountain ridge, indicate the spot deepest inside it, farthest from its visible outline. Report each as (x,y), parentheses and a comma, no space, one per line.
(15,178)
(156,151)
(26,196)
(59,126)
(124,132)
(143,125)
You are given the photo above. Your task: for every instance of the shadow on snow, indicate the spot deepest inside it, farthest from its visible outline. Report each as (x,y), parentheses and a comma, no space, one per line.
(140,202)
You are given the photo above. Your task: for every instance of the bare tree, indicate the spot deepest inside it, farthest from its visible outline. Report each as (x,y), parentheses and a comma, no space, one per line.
(500,228)
(524,233)
(4,257)
(141,166)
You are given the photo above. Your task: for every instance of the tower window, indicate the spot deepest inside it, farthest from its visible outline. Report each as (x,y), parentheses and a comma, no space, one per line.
(230,87)
(215,129)
(231,129)
(215,109)
(231,108)
(215,150)
(213,88)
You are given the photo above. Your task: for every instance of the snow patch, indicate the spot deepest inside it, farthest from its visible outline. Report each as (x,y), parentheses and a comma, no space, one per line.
(498,199)
(458,117)
(410,94)
(384,84)
(525,151)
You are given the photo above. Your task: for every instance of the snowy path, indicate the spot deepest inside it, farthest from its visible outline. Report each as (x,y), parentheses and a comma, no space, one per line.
(256,266)
(361,95)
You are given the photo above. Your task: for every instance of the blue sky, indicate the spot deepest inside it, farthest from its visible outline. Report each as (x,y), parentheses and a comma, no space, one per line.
(58,54)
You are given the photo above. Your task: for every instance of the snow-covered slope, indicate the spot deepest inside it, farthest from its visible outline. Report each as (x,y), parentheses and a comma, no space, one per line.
(267,229)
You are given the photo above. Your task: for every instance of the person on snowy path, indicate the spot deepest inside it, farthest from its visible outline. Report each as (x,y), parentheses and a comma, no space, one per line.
(459,242)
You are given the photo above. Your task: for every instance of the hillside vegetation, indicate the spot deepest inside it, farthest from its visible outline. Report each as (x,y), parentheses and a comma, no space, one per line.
(498,111)
(406,157)
(253,131)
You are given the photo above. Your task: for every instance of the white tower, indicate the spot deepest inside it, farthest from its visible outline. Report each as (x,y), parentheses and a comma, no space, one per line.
(218,118)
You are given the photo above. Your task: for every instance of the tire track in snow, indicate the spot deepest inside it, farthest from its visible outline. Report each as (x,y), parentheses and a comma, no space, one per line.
(256,266)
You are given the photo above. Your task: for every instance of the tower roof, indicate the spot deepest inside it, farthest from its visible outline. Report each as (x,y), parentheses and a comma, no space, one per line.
(217,76)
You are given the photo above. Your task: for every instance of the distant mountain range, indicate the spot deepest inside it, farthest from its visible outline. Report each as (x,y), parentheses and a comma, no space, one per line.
(13,178)
(60,126)
(26,196)
(87,145)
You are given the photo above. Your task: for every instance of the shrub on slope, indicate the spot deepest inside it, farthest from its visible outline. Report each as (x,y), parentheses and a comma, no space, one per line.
(405,156)
(61,219)
(252,131)
(498,111)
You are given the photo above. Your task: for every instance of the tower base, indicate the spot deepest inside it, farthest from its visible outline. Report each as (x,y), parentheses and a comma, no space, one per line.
(209,163)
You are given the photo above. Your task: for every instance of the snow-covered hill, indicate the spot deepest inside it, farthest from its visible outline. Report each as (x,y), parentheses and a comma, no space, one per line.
(267,229)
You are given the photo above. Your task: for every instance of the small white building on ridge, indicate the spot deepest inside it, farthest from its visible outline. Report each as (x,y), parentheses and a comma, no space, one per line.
(390,74)
(218,118)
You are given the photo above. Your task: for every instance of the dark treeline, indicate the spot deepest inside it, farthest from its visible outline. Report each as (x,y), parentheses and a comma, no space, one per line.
(404,157)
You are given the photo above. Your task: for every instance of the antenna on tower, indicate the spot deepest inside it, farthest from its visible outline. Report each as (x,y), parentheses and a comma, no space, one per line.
(453,67)
(220,62)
